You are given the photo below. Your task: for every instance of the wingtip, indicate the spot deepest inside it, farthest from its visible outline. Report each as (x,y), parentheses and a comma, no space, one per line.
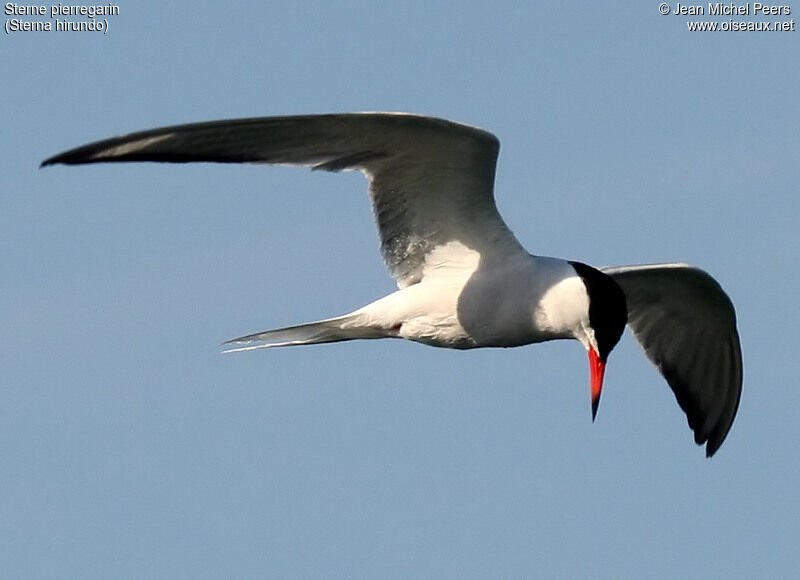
(713,445)
(712,448)
(61,158)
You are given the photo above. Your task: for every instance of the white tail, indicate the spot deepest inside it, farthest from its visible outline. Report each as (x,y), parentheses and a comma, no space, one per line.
(329,330)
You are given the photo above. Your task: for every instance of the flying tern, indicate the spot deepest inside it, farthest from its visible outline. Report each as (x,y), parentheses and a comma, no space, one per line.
(464,281)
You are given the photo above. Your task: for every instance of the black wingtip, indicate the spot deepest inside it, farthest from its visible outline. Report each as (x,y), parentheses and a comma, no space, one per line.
(72,157)
(712,446)
(595,405)
(96,152)
(61,158)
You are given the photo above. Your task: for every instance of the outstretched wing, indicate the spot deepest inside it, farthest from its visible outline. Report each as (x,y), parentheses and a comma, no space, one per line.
(431,180)
(686,325)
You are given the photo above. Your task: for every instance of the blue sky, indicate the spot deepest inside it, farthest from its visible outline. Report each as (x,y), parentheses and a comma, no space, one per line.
(131,448)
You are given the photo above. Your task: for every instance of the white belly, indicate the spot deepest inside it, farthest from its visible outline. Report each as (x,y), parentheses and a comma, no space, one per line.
(469,308)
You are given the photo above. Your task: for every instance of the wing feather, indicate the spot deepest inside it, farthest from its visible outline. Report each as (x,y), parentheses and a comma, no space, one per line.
(686,325)
(431,180)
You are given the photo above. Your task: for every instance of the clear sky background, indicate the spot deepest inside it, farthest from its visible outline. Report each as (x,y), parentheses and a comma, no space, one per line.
(131,448)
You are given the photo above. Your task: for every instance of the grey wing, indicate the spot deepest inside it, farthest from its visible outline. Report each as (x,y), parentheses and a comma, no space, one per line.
(686,325)
(431,180)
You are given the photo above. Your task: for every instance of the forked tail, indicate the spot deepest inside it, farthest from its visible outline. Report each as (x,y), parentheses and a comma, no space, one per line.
(337,329)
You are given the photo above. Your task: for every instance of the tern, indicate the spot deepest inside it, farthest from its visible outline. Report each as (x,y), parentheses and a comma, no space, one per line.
(464,281)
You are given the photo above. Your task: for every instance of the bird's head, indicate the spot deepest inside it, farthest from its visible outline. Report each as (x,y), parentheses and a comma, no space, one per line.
(602,326)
